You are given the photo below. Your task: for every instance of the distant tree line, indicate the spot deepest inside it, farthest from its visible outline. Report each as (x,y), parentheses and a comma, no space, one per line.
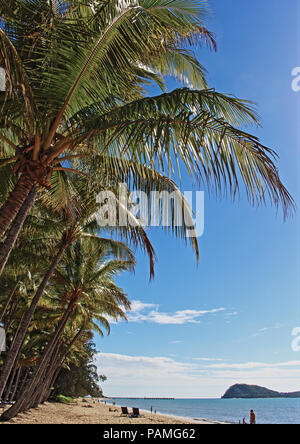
(80,380)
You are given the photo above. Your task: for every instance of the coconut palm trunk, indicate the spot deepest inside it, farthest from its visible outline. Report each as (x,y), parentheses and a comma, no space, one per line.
(8,300)
(47,392)
(36,381)
(9,387)
(23,378)
(11,207)
(8,321)
(47,377)
(14,350)
(15,335)
(33,401)
(13,393)
(16,227)
(54,372)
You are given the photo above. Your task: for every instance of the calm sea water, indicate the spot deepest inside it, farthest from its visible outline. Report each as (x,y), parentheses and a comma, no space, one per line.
(268,411)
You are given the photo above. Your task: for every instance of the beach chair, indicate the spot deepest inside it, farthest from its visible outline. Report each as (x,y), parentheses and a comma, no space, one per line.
(124,411)
(3,405)
(135,413)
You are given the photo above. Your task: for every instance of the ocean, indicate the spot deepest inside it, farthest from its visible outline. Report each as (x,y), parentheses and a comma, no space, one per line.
(268,411)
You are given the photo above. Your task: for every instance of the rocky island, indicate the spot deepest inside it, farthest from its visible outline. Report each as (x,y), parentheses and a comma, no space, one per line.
(255,391)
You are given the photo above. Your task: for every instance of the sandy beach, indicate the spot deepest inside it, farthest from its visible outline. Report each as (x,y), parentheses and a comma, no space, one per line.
(93,412)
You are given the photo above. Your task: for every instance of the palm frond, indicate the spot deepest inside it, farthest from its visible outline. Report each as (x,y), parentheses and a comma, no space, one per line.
(196,128)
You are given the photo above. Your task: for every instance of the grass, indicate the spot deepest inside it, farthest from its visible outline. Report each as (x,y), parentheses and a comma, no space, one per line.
(64,399)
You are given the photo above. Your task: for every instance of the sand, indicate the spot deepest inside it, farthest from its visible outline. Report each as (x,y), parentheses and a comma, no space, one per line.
(92,412)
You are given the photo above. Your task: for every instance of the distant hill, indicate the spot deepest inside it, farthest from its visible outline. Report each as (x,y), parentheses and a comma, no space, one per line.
(255,391)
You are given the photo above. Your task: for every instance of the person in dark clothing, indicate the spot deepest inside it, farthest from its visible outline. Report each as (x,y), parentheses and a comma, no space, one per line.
(252,417)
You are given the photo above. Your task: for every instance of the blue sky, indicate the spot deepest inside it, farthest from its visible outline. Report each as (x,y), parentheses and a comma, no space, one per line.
(196,330)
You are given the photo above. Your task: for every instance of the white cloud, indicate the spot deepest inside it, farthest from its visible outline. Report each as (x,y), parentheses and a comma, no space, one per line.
(168,377)
(255,365)
(265,329)
(207,359)
(137,306)
(141,312)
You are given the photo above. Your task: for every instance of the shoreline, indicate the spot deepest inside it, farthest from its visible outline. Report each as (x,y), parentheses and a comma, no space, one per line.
(169,415)
(95,411)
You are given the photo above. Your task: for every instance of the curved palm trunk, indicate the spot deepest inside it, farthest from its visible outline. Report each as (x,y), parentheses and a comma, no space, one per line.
(48,391)
(8,300)
(54,371)
(16,227)
(10,209)
(36,381)
(33,401)
(10,318)
(14,350)
(9,387)
(47,377)
(13,374)
(24,378)
(13,393)
(15,336)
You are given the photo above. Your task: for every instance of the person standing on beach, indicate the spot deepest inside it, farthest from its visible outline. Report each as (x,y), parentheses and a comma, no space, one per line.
(252,417)
(151,409)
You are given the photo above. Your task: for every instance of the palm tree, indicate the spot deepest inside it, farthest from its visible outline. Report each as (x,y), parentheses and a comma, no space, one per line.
(12,288)
(15,229)
(74,222)
(75,104)
(56,364)
(86,283)
(45,233)
(75,78)
(20,54)
(89,272)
